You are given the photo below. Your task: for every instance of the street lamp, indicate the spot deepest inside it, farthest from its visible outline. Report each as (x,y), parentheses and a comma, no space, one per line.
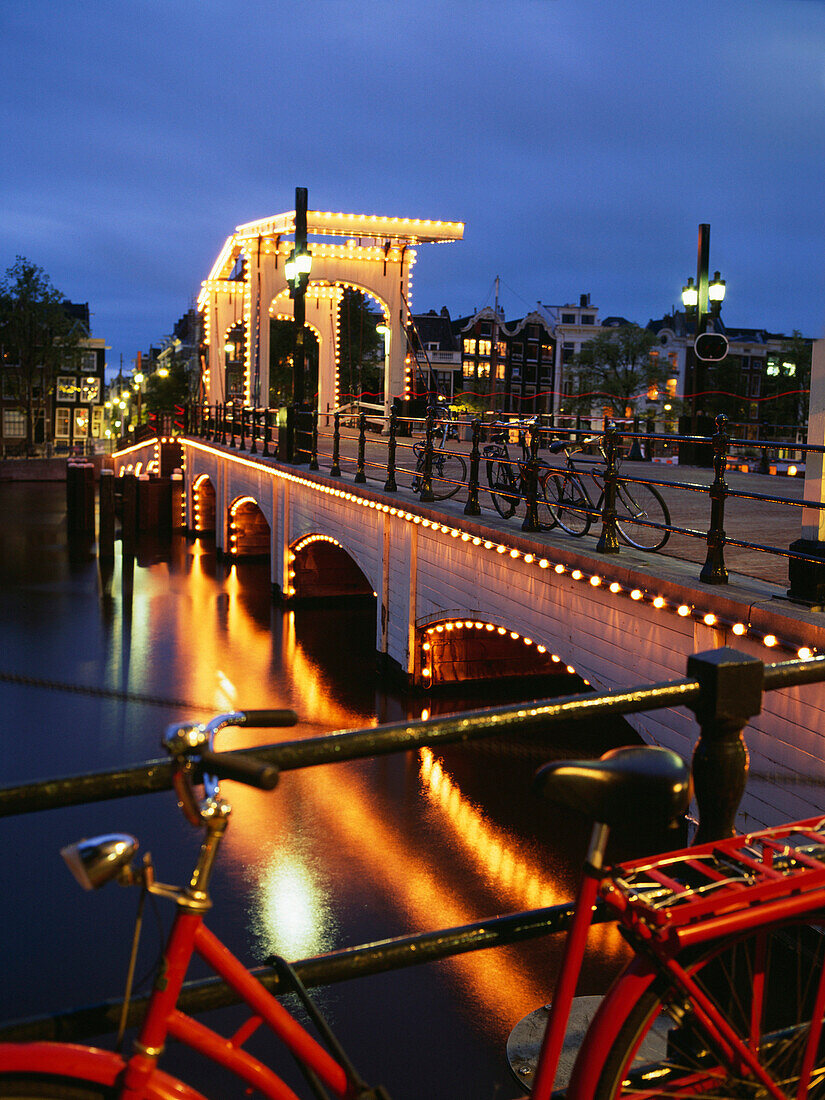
(296,270)
(702,301)
(137,380)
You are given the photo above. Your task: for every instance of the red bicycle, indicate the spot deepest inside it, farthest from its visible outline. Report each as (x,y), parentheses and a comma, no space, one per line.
(724,997)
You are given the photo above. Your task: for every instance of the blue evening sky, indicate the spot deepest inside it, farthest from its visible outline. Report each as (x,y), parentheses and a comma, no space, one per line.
(581,141)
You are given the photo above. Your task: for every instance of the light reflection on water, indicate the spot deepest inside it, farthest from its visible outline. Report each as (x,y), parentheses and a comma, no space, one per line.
(337,855)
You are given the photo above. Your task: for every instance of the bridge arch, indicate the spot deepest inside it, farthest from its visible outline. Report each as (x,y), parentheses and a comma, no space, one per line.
(458,649)
(202,506)
(248,528)
(321,567)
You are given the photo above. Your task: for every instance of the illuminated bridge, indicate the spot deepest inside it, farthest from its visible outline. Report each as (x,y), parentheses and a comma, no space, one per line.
(462,597)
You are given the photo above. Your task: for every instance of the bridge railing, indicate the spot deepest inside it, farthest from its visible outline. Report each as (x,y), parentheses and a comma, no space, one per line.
(415,454)
(723,688)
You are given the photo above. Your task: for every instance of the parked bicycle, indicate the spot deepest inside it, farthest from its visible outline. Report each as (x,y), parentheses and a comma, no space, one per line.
(642,517)
(725,995)
(449,470)
(508,477)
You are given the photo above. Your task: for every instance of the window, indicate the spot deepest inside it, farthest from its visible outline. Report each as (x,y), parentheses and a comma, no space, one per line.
(470,368)
(66,388)
(9,385)
(61,423)
(789,369)
(14,424)
(97,421)
(501,349)
(484,370)
(484,347)
(532,353)
(569,351)
(81,424)
(517,351)
(671,385)
(90,390)
(653,392)
(755,381)
(500,370)
(568,318)
(486,328)
(588,318)
(772,368)
(754,411)
(88,362)
(469,347)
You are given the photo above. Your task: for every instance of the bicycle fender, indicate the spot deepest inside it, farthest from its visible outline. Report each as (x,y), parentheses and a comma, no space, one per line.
(101,1067)
(606,1025)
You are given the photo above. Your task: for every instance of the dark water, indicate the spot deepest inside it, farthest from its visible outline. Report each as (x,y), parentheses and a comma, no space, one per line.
(337,855)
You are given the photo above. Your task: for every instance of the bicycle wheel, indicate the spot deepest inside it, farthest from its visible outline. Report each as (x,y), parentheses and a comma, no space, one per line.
(636,501)
(17,1086)
(547,517)
(765,983)
(503,491)
(567,500)
(449,474)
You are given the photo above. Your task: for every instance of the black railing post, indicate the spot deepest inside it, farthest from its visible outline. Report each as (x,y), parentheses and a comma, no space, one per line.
(426,496)
(390,485)
(313,458)
(731,694)
(265,451)
(253,450)
(360,472)
(336,446)
(222,417)
(472,507)
(232,425)
(714,571)
(242,444)
(609,538)
(531,515)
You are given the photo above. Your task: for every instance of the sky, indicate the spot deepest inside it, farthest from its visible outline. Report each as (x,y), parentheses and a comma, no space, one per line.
(582,142)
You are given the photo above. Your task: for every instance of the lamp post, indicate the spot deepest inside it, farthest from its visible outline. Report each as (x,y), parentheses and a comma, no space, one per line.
(296,270)
(703,302)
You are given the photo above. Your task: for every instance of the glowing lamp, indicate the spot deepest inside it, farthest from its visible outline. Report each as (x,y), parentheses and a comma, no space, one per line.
(690,295)
(716,289)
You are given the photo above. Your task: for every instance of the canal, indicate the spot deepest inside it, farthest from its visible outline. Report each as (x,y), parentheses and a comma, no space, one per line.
(335,856)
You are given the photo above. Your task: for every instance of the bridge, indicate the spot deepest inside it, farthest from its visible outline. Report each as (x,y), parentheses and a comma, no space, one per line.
(462,597)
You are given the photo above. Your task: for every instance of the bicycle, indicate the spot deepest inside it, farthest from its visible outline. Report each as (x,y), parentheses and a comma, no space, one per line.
(696,1012)
(449,470)
(509,486)
(636,502)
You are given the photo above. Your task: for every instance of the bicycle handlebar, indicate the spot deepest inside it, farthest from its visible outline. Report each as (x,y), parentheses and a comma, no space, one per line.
(243,769)
(191,743)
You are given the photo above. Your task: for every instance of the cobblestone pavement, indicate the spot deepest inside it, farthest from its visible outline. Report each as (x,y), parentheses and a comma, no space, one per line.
(746,519)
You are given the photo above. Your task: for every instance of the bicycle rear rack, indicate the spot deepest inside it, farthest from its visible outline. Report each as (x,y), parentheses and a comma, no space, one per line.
(712,889)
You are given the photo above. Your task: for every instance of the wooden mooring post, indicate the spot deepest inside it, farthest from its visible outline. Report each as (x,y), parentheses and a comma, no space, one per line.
(106,518)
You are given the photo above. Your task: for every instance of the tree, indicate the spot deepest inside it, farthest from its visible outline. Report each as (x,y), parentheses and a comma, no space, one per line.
(164,392)
(786,387)
(616,368)
(281,349)
(360,347)
(38,336)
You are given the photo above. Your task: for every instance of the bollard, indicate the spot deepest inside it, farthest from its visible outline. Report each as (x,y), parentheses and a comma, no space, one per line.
(390,485)
(80,498)
(426,496)
(714,570)
(178,520)
(360,472)
(531,515)
(472,507)
(335,471)
(609,538)
(106,539)
(128,519)
(731,694)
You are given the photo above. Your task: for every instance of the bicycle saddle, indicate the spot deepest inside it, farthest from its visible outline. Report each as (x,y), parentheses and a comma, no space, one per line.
(556,446)
(621,783)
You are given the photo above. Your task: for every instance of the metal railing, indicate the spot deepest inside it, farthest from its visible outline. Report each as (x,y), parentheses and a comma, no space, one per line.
(342,447)
(723,688)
